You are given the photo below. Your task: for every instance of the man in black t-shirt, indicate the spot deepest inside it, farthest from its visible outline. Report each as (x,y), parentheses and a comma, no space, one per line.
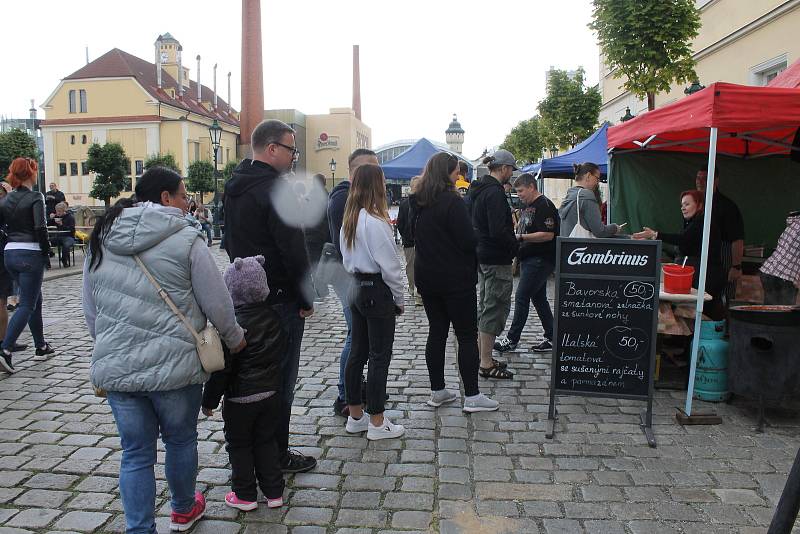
(536,231)
(727,217)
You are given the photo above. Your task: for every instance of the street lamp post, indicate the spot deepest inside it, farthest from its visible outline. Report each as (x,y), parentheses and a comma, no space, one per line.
(332,165)
(215,132)
(695,87)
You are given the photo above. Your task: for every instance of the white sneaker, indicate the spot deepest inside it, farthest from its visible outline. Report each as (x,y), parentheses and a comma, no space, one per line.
(441,397)
(386,431)
(480,403)
(354,426)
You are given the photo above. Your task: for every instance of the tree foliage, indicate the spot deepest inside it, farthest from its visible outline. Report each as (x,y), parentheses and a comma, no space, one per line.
(227,172)
(525,140)
(570,110)
(200,177)
(648,42)
(16,143)
(162,160)
(111,168)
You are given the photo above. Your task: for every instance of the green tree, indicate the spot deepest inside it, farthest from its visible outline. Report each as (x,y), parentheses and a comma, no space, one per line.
(16,144)
(162,160)
(648,42)
(525,140)
(570,110)
(227,171)
(201,177)
(112,169)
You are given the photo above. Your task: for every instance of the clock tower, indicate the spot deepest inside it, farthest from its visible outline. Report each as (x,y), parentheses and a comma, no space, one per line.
(169,55)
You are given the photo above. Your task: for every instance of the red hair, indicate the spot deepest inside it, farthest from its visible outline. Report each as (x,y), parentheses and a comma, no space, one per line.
(698,196)
(21,170)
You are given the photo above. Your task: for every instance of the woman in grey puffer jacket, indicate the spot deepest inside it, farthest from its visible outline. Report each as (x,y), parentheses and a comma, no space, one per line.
(144,356)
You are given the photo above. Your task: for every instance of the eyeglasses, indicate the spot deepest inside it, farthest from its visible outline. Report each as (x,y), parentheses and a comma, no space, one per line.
(598,175)
(293,150)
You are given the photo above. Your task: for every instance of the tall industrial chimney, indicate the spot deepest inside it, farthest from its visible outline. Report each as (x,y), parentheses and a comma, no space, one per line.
(252,111)
(215,86)
(32,111)
(356,84)
(199,94)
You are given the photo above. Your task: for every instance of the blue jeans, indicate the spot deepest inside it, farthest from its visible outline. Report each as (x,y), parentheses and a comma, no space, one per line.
(26,268)
(207,229)
(65,243)
(139,417)
(342,289)
(532,287)
(293,326)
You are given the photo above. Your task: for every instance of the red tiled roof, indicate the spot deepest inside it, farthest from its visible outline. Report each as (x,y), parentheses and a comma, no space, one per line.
(101,120)
(118,63)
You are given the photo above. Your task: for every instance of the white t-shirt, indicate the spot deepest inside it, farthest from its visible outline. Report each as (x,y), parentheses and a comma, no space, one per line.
(374,251)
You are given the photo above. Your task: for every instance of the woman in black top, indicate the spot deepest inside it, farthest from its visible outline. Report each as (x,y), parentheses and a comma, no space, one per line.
(690,242)
(445,273)
(26,255)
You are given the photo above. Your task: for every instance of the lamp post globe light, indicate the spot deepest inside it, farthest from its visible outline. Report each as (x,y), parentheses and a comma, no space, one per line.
(332,165)
(628,116)
(215,132)
(695,87)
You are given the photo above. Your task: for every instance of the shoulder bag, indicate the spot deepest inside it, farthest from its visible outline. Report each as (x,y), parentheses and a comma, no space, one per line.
(579,230)
(208,342)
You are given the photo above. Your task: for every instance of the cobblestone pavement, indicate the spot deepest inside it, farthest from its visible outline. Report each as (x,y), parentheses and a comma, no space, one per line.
(451,473)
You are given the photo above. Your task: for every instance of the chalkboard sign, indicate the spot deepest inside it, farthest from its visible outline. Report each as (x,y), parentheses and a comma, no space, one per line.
(606,315)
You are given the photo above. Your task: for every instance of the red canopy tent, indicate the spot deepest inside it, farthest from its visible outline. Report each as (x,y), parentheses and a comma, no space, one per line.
(790,78)
(734,120)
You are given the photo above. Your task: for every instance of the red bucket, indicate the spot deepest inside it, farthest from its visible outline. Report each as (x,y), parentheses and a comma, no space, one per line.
(677,279)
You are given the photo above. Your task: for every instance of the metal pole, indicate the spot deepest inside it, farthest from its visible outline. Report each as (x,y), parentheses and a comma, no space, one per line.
(610,195)
(701,285)
(789,503)
(216,196)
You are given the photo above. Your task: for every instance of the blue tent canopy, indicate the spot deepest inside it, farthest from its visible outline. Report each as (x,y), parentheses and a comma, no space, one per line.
(411,162)
(594,148)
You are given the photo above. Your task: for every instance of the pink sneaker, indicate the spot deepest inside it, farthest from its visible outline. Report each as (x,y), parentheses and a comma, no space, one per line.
(274,503)
(183,522)
(235,502)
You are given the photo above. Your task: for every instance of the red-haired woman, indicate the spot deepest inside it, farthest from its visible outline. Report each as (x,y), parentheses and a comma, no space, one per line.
(26,256)
(690,242)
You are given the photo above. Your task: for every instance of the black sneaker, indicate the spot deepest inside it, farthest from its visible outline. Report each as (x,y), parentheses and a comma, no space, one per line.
(341,408)
(18,347)
(5,361)
(544,346)
(44,351)
(297,463)
(504,345)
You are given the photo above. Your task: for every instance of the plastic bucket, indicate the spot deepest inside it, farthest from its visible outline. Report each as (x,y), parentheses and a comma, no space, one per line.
(677,279)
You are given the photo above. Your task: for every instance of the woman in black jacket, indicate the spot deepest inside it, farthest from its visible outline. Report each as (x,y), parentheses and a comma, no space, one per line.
(445,274)
(26,255)
(690,243)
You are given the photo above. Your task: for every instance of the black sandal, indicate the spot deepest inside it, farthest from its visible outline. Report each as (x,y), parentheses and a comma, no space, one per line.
(498,363)
(496,371)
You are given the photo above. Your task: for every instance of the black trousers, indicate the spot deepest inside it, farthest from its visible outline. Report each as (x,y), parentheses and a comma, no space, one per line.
(250,439)
(460,309)
(373,321)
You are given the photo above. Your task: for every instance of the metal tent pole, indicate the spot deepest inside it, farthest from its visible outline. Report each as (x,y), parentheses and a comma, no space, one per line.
(608,180)
(701,285)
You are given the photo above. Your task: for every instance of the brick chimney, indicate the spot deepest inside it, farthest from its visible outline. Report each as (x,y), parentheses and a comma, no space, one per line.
(252,111)
(356,83)
(215,86)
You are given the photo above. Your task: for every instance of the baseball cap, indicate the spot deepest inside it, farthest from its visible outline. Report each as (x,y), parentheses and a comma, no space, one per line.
(504,157)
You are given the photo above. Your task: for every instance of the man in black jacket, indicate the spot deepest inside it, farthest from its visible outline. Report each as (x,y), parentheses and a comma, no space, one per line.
(336,202)
(253,227)
(497,246)
(404,226)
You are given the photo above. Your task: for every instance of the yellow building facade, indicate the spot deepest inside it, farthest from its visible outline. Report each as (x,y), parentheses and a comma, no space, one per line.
(742,42)
(148,108)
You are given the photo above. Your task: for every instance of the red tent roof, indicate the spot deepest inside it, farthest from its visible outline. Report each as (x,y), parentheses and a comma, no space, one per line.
(790,78)
(751,121)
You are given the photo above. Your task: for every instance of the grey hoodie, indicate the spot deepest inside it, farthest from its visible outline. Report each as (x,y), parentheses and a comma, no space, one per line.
(590,214)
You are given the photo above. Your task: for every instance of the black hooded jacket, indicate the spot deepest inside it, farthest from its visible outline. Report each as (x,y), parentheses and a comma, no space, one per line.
(257,369)
(491,219)
(444,261)
(336,203)
(253,227)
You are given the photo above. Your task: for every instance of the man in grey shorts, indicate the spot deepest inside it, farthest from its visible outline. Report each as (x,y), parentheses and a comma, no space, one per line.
(497,246)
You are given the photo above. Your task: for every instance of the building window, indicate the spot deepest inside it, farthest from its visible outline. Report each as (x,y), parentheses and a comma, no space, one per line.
(763,73)
(196,151)
(83,100)
(73,168)
(84,168)
(72,139)
(83,139)
(62,169)
(227,155)
(139,167)
(72,101)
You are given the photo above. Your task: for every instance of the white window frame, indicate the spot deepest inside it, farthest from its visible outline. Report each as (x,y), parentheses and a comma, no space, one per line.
(759,73)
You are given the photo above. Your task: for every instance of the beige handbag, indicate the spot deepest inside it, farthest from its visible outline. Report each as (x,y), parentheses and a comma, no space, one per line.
(208,342)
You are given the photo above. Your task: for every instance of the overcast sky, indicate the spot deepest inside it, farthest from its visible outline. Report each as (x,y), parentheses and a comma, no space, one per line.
(421,60)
